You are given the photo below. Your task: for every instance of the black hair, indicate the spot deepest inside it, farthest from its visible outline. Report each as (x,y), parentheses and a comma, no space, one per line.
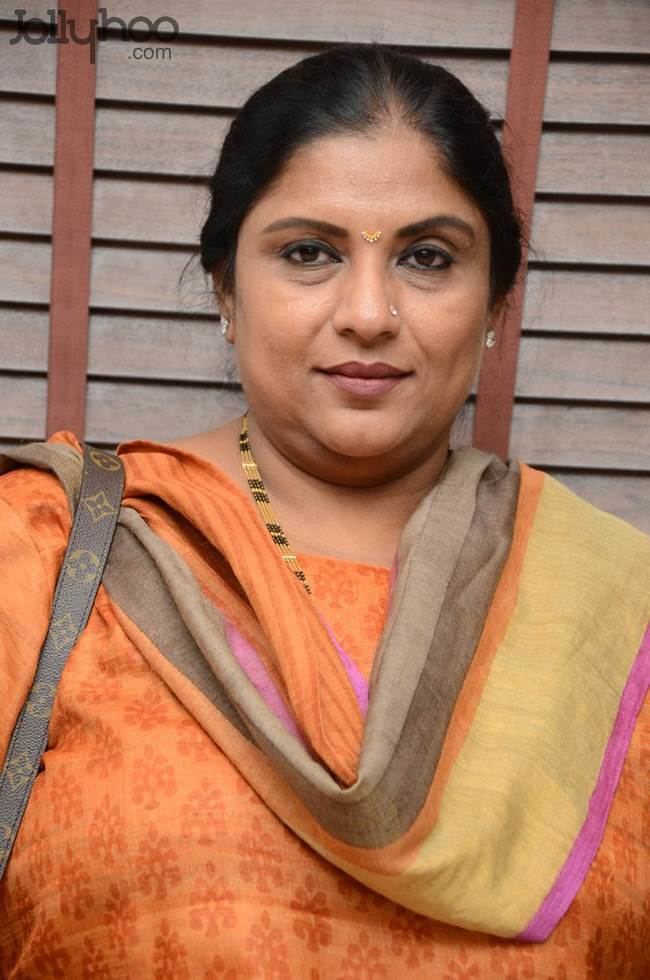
(354,88)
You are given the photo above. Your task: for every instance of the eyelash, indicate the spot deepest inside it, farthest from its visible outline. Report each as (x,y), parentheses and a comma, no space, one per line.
(285,253)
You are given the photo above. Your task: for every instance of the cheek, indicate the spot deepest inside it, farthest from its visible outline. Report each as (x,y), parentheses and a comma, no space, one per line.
(274,336)
(451,346)
(271,354)
(272,318)
(452,330)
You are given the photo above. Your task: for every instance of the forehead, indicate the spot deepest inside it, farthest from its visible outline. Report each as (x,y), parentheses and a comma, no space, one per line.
(391,171)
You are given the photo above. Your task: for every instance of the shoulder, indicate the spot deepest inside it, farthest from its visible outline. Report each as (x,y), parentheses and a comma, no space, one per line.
(35,523)
(594,552)
(569,509)
(33,499)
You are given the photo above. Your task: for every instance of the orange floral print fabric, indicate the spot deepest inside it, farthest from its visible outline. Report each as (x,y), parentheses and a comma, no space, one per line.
(144,853)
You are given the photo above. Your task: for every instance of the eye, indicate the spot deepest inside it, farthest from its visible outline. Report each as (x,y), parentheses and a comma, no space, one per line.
(426,257)
(308,252)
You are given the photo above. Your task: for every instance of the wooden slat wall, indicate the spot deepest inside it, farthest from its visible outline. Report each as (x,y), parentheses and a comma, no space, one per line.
(583,396)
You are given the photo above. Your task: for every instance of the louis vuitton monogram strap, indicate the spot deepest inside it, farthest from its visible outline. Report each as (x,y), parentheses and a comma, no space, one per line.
(95,519)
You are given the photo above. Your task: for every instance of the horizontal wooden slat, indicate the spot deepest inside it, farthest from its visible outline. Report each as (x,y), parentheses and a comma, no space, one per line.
(25,271)
(120,411)
(144,141)
(28,201)
(627,497)
(22,407)
(614,234)
(574,436)
(594,370)
(26,132)
(601,25)
(178,349)
(597,92)
(588,302)
(125,210)
(168,142)
(23,339)
(191,350)
(164,212)
(26,67)
(595,437)
(594,163)
(141,279)
(542,434)
(156,211)
(194,350)
(114,409)
(195,74)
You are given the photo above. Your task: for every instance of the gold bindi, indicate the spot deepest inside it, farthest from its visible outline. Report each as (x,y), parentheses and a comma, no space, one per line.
(371,236)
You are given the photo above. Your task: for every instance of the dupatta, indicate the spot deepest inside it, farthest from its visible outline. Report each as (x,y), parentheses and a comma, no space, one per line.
(471,781)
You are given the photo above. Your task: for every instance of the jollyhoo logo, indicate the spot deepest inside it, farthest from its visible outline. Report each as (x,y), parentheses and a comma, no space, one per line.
(58,29)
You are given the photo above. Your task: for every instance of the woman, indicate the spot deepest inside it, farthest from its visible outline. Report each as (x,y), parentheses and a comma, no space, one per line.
(348,701)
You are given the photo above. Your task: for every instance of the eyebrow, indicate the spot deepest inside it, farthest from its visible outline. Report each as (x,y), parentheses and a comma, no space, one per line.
(408,231)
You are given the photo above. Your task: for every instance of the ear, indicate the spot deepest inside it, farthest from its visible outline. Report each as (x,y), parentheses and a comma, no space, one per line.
(496,313)
(224,299)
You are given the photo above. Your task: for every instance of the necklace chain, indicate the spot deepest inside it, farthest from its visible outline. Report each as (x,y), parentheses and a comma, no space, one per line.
(261,498)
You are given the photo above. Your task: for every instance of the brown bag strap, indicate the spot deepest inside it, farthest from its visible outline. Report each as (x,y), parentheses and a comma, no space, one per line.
(95,519)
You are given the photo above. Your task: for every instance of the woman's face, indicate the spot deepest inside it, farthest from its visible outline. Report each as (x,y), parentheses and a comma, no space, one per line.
(312,293)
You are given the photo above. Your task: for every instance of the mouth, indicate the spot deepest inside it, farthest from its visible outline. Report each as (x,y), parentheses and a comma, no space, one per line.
(365,387)
(358,369)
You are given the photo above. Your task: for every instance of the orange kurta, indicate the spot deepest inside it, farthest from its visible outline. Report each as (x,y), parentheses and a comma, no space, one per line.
(144,853)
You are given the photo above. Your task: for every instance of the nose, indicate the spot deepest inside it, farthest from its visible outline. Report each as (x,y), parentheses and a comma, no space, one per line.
(364,301)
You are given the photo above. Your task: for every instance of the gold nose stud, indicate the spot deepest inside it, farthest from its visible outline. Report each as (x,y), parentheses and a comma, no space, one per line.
(371,236)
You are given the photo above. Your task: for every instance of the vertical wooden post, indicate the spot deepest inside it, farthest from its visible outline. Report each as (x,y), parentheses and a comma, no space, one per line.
(72,219)
(529,58)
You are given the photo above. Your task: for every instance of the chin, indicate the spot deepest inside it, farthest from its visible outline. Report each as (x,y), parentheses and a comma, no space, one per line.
(360,436)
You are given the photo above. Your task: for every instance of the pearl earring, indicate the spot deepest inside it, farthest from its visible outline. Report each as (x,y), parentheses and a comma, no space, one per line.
(225,323)
(490,339)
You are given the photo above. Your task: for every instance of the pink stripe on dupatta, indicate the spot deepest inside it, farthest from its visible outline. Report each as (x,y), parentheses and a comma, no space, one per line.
(356,678)
(588,840)
(252,663)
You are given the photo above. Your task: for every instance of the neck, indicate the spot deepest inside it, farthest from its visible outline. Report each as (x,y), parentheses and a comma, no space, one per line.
(311,503)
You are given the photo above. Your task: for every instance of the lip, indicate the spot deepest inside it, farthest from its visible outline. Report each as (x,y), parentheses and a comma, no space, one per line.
(365,387)
(356,369)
